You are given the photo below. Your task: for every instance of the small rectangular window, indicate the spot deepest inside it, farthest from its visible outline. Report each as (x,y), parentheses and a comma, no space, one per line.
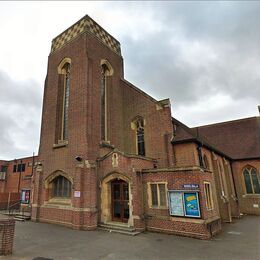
(208,194)
(20,167)
(200,156)
(162,194)
(157,195)
(3,168)
(154,194)
(14,168)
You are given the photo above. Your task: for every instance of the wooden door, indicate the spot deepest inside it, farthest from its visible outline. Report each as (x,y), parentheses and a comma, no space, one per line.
(120,200)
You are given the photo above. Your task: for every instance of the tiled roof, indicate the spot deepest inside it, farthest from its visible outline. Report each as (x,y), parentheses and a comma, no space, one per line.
(239,139)
(183,133)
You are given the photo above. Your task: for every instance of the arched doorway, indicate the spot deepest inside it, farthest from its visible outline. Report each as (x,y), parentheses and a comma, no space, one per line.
(119,200)
(116,199)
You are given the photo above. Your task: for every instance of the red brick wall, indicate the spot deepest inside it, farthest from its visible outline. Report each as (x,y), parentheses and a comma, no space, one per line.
(7,227)
(12,178)
(86,53)
(160,219)
(8,197)
(157,125)
(247,202)
(186,154)
(228,205)
(84,134)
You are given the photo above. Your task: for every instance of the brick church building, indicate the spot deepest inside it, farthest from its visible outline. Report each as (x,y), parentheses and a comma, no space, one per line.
(111,155)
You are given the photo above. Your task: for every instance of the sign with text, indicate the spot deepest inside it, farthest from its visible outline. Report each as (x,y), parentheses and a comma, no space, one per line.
(76,194)
(190,186)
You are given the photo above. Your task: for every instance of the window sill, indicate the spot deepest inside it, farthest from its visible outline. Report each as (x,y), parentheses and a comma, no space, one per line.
(61,143)
(59,201)
(256,196)
(106,144)
(158,207)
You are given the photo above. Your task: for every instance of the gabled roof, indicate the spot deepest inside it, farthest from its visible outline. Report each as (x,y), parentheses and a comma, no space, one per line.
(239,139)
(184,134)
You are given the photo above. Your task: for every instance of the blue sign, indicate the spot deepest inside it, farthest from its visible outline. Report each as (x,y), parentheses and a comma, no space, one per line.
(190,186)
(191,204)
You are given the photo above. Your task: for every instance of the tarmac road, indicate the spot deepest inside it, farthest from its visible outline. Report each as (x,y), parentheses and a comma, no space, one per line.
(38,241)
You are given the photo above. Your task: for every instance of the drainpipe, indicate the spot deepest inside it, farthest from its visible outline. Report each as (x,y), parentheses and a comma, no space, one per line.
(235,188)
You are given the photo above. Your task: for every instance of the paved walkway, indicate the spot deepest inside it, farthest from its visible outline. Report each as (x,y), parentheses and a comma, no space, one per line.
(38,241)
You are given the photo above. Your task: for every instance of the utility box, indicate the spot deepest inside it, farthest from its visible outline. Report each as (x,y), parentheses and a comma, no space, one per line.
(7,226)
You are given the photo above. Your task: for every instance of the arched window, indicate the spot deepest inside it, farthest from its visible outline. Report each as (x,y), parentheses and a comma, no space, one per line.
(66,101)
(63,100)
(106,70)
(251,180)
(61,187)
(140,136)
(221,177)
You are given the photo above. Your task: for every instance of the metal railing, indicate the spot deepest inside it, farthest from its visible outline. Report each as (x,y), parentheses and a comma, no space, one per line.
(13,207)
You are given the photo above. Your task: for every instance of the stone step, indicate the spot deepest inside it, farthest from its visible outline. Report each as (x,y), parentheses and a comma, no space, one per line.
(129,233)
(22,217)
(118,228)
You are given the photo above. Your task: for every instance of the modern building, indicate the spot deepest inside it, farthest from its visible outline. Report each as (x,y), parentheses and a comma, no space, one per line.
(16,181)
(110,154)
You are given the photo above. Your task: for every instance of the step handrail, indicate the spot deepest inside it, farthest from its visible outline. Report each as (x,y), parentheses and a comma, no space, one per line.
(12,205)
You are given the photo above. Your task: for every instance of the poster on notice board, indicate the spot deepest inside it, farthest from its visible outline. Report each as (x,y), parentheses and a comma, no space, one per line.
(176,204)
(191,204)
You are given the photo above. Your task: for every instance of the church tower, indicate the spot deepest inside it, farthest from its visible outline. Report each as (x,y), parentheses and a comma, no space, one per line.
(84,62)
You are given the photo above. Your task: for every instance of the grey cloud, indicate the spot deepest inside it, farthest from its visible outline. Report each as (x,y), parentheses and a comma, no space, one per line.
(20,113)
(19,92)
(228,28)
(164,62)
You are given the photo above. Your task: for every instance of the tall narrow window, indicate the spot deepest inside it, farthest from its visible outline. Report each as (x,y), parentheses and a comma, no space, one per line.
(208,193)
(106,70)
(206,162)
(66,102)
(251,180)
(103,101)
(200,156)
(221,172)
(140,136)
(62,113)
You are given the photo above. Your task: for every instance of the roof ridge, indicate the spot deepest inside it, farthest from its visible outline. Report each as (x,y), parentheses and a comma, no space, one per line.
(202,139)
(227,122)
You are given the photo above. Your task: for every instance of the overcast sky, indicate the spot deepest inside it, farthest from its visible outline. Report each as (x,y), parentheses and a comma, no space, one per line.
(204,56)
